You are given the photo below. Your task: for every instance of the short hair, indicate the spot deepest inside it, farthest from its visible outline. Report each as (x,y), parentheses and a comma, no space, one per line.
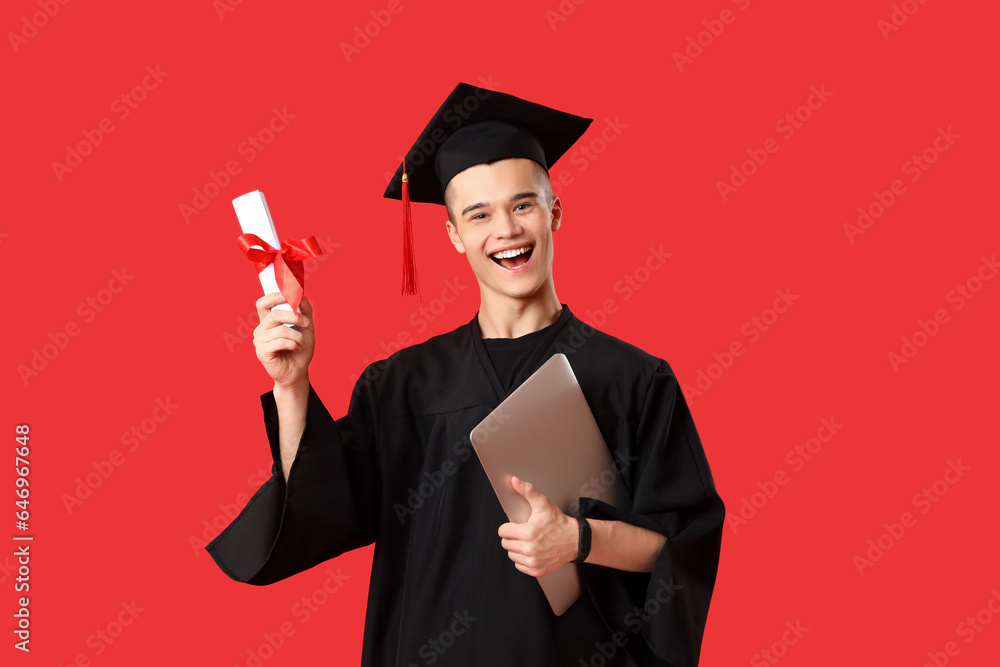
(541,178)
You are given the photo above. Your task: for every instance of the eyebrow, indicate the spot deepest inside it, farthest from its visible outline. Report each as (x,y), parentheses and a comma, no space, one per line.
(513,198)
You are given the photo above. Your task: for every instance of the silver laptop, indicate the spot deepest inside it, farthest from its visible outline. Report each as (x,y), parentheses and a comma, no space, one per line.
(545,433)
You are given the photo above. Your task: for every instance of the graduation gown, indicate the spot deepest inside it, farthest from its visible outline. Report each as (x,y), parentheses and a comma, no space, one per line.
(399,470)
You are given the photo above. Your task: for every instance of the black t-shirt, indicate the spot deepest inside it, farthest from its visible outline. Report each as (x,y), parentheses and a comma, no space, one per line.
(510,354)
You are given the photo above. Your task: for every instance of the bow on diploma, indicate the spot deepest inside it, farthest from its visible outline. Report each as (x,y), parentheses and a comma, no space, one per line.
(287,262)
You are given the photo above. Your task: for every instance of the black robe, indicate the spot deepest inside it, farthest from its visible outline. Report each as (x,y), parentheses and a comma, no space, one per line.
(399,470)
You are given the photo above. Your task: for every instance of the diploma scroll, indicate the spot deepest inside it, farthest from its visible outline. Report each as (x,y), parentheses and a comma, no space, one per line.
(255,218)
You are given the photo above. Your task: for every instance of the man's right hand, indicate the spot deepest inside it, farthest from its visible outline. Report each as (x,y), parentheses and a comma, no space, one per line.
(285,352)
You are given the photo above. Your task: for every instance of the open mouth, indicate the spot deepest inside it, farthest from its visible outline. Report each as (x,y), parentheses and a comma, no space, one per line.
(514,258)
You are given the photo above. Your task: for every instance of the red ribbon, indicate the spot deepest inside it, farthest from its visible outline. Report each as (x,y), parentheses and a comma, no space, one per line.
(287,260)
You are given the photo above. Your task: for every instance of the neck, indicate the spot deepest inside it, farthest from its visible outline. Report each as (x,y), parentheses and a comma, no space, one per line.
(502,316)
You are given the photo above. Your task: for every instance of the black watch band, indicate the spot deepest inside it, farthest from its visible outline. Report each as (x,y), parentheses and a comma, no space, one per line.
(585,539)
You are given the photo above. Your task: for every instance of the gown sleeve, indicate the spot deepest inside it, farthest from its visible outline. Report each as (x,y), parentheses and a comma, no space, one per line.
(329,504)
(674,495)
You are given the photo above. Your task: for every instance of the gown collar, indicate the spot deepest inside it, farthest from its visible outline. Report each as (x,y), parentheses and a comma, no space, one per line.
(538,356)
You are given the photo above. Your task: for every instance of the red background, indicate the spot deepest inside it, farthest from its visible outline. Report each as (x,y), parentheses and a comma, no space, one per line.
(174,331)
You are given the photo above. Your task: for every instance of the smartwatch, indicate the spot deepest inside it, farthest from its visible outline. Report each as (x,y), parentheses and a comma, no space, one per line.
(585,538)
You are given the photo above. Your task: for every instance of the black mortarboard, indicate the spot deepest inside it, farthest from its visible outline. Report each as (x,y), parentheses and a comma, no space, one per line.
(475,126)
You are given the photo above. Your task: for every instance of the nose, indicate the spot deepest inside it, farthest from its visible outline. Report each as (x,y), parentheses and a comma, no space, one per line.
(506,225)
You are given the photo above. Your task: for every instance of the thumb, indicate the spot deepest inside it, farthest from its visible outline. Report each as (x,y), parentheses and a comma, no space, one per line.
(537,499)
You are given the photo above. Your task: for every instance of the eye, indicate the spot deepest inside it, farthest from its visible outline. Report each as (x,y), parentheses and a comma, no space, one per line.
(521,207)
(478,216)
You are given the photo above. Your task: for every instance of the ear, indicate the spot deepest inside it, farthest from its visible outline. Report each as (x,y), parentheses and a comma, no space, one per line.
(557,212)
(456,240)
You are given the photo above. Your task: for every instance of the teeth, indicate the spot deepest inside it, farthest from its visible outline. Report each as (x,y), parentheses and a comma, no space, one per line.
(507,254)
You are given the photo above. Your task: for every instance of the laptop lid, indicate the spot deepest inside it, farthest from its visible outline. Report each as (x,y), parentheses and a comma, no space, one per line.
(545,433)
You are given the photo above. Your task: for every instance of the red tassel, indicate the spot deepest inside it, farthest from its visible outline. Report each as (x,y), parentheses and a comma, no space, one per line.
(410,286)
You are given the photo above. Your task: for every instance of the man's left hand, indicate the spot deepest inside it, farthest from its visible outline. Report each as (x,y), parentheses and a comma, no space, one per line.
(546,541)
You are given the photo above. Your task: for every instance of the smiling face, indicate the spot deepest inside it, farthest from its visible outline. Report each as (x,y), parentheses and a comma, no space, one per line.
(502,216)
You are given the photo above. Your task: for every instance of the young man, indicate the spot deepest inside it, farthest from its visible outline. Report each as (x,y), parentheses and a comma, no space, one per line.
(452,580)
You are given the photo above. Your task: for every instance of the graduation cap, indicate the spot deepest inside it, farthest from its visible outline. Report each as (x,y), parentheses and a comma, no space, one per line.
(475,126)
